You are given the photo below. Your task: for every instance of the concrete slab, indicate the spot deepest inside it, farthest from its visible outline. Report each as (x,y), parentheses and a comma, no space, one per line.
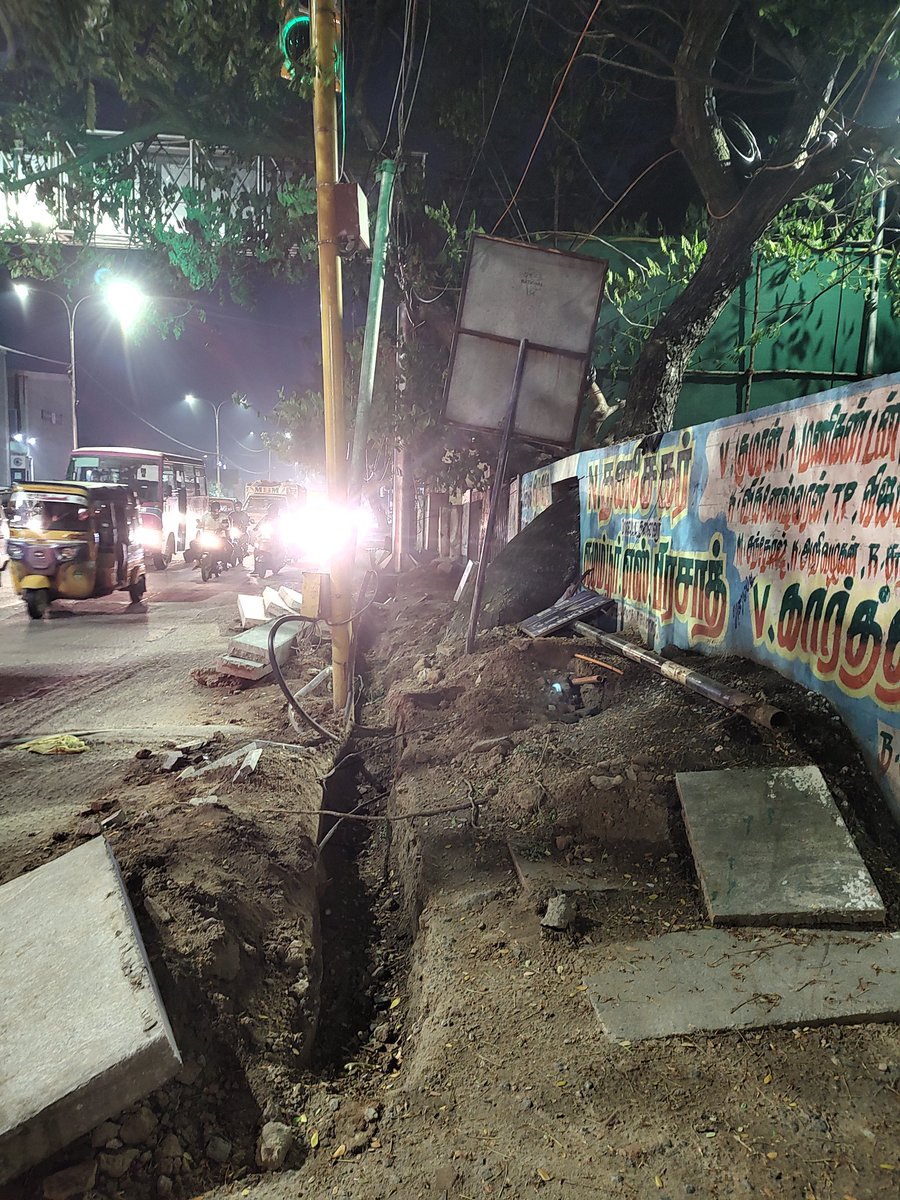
(771,848)
(83,1031)
(541,876)
(275,606)
(291,598)
(711,979)
(253,645)
(251,610)
(243,668)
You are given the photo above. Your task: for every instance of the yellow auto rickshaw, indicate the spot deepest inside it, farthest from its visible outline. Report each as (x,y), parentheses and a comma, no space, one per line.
(73,541)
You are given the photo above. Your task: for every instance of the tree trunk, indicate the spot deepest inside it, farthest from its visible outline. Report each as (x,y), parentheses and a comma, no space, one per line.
(657,377)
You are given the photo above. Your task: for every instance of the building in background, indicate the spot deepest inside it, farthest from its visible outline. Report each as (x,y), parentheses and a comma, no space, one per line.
(37,424)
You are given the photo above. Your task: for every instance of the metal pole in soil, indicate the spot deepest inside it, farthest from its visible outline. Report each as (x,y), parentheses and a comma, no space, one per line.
(325,130)
(496,489)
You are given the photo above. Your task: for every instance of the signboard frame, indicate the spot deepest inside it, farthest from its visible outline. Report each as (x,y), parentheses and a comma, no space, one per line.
(465,334)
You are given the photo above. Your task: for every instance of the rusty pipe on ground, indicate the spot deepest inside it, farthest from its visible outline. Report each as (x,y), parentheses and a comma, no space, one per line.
(742,703)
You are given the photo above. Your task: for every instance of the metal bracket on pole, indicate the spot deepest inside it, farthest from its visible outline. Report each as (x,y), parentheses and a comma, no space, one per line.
(496,489)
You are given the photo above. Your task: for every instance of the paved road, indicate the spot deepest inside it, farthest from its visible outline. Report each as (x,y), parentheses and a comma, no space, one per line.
(100,664)
(120,672)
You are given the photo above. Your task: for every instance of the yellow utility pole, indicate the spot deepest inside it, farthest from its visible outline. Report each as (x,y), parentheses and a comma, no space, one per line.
(325,121)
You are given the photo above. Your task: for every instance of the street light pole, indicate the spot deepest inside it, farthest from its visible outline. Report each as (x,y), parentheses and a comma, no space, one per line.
(71,310)
(218,454)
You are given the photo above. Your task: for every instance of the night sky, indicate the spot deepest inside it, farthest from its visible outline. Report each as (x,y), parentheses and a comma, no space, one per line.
(129,383)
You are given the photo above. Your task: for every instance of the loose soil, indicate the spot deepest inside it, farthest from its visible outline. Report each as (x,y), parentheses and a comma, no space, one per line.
(453,1052)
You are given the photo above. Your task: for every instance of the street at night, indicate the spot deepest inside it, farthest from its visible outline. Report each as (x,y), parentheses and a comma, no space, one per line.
(449,600)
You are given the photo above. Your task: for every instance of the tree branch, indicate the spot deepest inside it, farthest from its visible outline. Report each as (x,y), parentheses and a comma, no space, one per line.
(697,132)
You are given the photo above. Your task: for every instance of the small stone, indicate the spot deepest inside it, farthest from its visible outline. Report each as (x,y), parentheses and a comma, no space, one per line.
(358,1142)
(604,783)
(139,1127)
(275,1141)
(564,842)
(88,829)
(561,910)
(104,1133)
(144,753)
(170,1147)
(381,1033)
(164,1186)
(334,1103)
(499,745)
(526,1102)
(173,761)
(73,1181)
(116,1165)
(370,1114)
(218,1150)
(157,912)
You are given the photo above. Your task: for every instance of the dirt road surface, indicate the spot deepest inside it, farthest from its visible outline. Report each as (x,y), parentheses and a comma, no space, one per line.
(107,667)
(384,1015)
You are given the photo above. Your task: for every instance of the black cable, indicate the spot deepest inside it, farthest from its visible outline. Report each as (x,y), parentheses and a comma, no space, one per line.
(279,675)
(282,682)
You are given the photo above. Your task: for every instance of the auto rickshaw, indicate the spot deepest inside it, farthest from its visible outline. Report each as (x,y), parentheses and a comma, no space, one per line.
(74,541)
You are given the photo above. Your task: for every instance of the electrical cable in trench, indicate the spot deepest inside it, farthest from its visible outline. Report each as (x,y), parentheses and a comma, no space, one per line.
(292,700)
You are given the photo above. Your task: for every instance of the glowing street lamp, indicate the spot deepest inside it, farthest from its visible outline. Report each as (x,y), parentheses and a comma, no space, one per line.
(191,400)
(126,301)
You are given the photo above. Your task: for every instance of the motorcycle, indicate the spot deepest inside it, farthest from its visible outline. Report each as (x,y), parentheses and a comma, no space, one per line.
(268,552)
(217,553)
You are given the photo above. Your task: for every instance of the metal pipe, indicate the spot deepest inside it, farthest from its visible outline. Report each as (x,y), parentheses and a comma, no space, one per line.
(496,489)
(373,323)
(742,703)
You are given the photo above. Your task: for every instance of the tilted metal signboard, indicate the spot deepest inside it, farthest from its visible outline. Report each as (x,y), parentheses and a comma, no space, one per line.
(514,292)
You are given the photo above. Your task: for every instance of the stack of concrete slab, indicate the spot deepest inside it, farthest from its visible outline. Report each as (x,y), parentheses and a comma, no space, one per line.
(247,656)
(771,848)
(83,1031)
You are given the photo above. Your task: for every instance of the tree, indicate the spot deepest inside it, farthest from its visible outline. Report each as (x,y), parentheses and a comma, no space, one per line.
(802,71)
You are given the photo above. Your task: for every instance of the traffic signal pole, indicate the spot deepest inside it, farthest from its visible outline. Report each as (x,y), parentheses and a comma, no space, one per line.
(323,26)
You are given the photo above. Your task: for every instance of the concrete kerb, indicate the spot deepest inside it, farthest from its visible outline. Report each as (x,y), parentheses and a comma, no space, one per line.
(83,1030)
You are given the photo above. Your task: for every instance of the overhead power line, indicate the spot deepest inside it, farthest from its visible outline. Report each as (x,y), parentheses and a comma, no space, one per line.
(543,130)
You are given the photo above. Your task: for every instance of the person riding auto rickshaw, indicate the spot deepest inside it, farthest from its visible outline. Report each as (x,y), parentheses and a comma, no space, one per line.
(73,541)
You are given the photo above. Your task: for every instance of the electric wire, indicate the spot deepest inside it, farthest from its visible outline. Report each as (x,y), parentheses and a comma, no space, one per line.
(40,357)
(487,129)
(292,700)
(553,102)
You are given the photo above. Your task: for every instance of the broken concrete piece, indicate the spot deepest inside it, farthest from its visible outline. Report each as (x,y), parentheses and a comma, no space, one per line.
(711,979)
(253,646)
(232,759)
(251,610)
(274,605)
(72,1182)
(275,1141)
(84,1032)
(485,745)
(291,598)
(242,668)
(248,766)
(561,910)
(772,848)
(542,876)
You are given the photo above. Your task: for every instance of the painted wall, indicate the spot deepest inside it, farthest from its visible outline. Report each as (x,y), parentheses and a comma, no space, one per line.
(774,535)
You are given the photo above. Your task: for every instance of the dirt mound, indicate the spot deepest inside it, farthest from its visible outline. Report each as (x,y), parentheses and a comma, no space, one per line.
(227,908)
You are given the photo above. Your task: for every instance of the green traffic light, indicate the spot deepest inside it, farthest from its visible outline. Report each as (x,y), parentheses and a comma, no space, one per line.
(294,41)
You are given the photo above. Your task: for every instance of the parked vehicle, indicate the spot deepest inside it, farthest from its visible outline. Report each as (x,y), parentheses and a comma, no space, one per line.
(73,541)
